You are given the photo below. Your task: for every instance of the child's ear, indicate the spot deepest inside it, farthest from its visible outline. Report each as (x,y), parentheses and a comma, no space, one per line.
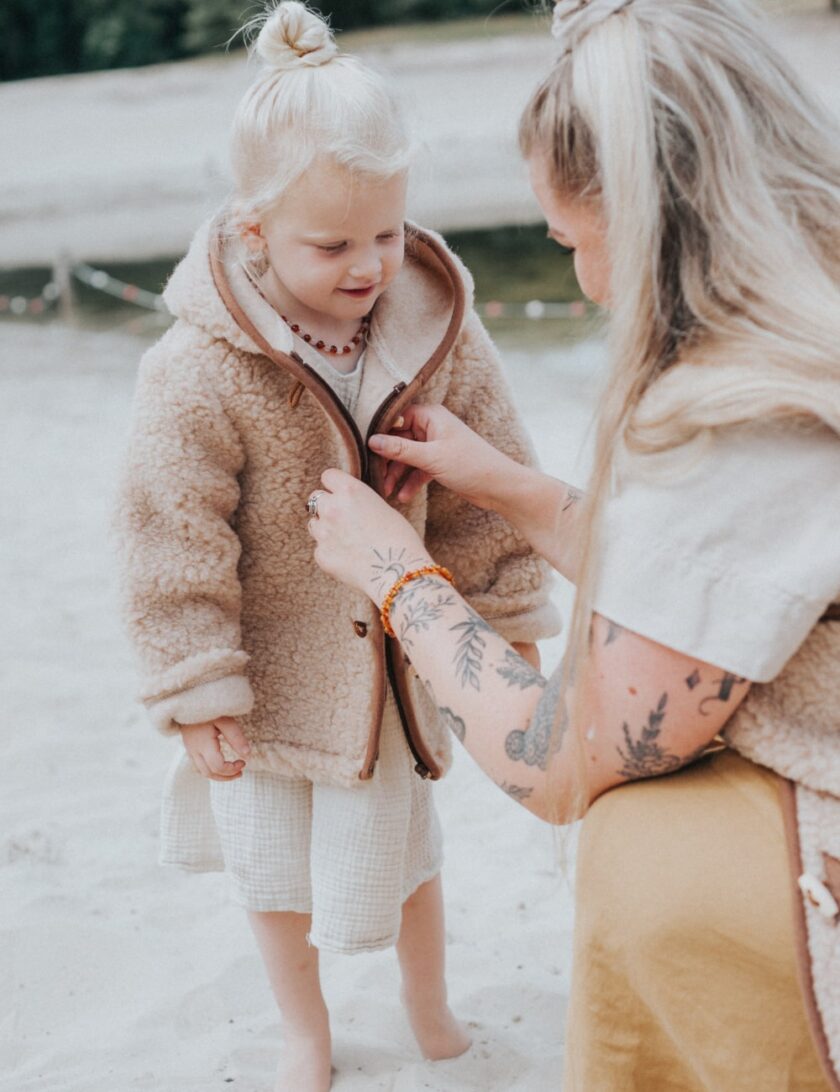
(253,238)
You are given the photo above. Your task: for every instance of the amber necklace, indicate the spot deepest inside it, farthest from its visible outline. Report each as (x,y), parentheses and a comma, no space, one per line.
(357,339)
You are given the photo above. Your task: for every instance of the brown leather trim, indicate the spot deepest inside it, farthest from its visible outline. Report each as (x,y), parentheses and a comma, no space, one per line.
(832,613)
(293,364)
(397,673)
(377,635)
(831,877)
(787,792)
(418,242)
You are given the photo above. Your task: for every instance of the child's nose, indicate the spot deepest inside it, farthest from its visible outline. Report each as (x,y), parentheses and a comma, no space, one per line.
(367,267)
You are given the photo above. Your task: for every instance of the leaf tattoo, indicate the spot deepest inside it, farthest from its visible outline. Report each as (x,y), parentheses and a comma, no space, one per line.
(469,656)
(420,614)
(519,672)
(645,757)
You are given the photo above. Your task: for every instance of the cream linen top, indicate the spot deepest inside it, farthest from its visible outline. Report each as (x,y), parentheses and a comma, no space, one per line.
(730,556)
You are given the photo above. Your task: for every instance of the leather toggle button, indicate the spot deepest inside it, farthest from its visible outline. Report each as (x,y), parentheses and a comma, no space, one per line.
(819,896)
(360,629)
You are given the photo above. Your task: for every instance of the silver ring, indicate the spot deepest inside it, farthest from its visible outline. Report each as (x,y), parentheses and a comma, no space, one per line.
(312,504)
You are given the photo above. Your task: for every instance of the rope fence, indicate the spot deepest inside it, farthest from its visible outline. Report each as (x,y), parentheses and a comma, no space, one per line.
(51,295)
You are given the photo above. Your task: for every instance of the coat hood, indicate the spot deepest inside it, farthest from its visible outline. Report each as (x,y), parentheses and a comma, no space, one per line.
(411,319)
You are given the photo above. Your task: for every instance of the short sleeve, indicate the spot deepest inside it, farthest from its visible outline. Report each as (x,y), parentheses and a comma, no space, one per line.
(732,557)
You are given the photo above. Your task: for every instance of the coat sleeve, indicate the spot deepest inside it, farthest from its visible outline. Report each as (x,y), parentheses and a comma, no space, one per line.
(494,568)
(178,552)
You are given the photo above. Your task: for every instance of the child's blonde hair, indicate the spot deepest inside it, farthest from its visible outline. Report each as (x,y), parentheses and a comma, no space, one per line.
(309,101)
(719,179)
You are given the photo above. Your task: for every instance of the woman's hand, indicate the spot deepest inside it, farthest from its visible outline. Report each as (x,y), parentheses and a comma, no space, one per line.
(433,443)
(201,742)
(361,540)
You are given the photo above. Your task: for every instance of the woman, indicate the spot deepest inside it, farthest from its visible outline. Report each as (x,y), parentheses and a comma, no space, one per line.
(699,188)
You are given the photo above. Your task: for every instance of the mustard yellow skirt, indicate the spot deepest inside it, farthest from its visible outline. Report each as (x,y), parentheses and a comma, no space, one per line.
(684,972)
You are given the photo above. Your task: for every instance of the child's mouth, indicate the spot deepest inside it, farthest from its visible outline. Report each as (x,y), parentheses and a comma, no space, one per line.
(358,293)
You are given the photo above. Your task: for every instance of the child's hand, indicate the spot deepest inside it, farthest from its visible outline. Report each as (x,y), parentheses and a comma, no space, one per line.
(201,742)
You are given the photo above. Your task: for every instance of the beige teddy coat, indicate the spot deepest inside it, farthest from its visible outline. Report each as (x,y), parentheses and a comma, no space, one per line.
(792,725)
(228,612)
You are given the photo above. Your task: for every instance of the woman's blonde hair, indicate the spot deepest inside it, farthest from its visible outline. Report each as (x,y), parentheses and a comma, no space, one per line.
(719,180)
(309,101)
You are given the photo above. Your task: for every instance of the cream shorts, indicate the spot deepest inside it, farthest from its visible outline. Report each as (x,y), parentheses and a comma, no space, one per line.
(349,857)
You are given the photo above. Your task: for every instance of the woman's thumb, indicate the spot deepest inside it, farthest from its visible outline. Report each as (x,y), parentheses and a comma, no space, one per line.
(399,449)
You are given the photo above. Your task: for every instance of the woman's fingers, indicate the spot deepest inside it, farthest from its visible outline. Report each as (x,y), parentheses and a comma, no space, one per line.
(410,484)
(402,450)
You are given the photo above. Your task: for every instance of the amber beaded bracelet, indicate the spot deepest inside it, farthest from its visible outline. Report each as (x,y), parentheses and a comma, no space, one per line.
(406,578)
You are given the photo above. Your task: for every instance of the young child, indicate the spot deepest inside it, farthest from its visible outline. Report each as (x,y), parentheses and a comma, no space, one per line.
(308,315)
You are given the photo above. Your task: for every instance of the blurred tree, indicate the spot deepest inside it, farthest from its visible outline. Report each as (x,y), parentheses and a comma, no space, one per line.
(209,24)
(120,33)
(47,37)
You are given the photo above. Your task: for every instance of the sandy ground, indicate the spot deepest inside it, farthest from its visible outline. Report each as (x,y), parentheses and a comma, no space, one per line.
(123,165)
(118,975)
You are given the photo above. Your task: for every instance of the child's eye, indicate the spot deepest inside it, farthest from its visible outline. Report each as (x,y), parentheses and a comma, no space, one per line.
(333,248)
(388,235)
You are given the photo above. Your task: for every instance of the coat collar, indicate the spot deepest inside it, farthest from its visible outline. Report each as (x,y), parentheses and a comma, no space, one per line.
(412,320)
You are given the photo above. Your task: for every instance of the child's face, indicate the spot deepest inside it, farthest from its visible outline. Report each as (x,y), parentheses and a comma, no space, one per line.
(335,242)
(576,223)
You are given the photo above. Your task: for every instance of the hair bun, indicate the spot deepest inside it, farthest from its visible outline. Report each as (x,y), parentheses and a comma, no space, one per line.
(293,35)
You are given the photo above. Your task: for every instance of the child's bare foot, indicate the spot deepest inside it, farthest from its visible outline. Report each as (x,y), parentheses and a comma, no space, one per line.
(439,1035)
(306,1065)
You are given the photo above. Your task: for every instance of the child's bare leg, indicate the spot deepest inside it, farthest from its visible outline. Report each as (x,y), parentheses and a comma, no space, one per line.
(292,967)
(420,949)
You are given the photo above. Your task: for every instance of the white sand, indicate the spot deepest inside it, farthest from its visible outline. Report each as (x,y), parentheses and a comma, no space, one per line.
(116,974)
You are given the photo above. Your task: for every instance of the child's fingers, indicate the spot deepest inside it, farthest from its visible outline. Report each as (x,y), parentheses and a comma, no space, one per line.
(234,736)
(214,767)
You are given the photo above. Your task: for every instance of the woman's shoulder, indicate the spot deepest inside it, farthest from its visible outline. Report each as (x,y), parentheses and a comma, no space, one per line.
(731,541)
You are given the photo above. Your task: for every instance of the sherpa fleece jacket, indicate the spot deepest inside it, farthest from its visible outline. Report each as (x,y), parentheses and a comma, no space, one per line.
(792,726)
(227,610)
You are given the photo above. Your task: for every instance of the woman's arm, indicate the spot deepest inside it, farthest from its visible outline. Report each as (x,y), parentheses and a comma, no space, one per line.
(437,445)
(645,710)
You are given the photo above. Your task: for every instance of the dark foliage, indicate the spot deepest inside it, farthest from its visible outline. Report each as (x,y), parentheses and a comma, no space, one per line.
(47,37)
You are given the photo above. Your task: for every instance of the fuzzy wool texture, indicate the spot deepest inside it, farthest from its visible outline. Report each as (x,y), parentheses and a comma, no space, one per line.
(791,726)
(223,601)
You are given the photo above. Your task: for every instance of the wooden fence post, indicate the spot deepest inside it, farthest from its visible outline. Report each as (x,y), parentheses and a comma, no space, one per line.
(63,280)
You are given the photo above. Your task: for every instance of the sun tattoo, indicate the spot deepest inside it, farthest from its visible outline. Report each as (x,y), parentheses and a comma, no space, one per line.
(388,569)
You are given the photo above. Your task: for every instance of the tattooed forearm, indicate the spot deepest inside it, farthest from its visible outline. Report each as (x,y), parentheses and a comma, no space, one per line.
(453,722)
(613,632)
(519,672)
(516,792)
(469,657)
(725,687)
(544,735)
(572,497)
(693,679)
